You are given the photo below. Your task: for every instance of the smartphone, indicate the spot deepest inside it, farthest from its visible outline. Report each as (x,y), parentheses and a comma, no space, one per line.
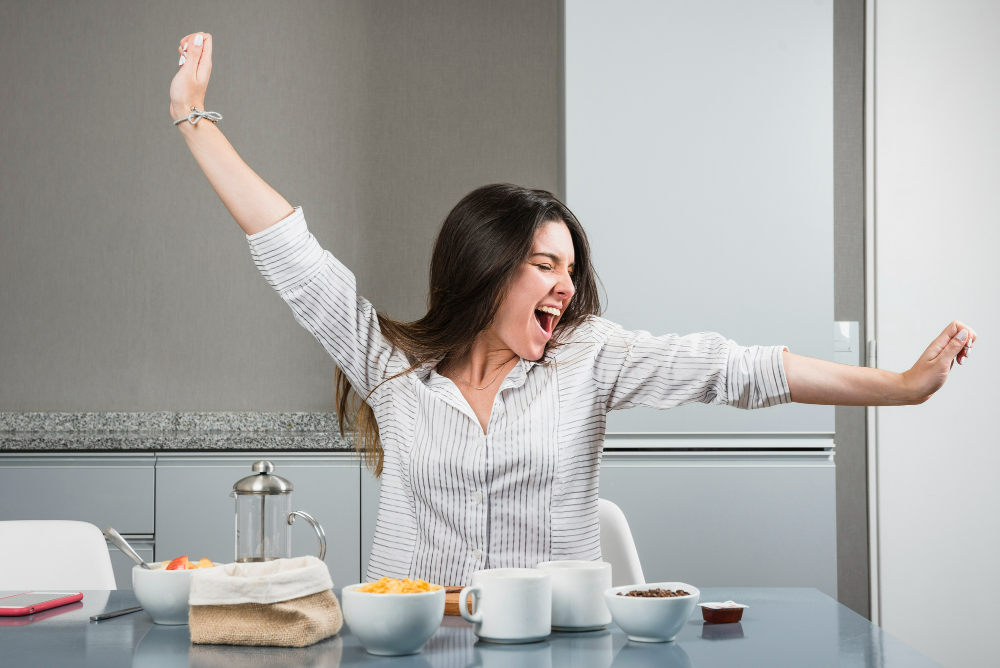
(30,602)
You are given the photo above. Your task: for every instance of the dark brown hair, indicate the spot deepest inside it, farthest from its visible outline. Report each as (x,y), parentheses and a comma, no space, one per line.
(481,246)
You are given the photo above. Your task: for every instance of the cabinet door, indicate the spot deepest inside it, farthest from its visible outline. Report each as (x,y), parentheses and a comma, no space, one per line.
(371,488)
(195,515)
(102,489)
(729,519)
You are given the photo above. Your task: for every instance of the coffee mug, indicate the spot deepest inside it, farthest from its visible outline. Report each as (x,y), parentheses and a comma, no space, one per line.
(578,594)
(510,605)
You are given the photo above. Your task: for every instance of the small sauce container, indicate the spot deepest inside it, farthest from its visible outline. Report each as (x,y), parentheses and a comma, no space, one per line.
(722,613)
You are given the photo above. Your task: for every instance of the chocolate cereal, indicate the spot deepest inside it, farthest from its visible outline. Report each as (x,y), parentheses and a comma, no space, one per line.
(655,593)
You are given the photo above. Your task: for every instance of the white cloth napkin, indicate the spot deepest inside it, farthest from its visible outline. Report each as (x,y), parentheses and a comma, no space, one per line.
(261,582)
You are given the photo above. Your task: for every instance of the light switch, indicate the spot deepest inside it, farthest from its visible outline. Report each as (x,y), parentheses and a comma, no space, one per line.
(846,347)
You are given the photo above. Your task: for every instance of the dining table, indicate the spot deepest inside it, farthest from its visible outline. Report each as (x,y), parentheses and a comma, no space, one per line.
(781,627)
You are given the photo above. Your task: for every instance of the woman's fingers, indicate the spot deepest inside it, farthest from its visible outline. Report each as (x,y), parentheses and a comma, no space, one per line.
(205,67)
(944,344)
(967,348)
(191,55)
(182,47)
(955,347)
(194,51)
(939,344)
(199,55)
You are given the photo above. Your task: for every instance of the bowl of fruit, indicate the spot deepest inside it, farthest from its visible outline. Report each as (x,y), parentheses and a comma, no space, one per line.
(163,589)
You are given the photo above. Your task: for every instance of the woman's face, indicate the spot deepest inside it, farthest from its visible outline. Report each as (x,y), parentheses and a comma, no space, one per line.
(540,293)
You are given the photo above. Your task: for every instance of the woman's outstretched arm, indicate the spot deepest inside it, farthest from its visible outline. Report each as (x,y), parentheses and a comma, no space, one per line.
(254,204)
(813,381)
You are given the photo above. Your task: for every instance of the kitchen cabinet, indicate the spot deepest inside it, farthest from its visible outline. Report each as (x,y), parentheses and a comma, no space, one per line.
(100,488)
(717,519)
(195,514)
(370,490)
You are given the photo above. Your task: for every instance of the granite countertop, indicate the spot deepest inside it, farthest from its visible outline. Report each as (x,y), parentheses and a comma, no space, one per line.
(167,431)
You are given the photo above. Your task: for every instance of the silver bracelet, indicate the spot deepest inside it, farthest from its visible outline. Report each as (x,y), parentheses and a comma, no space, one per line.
(197,113)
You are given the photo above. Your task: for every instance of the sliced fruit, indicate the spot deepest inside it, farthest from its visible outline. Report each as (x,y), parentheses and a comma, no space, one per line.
(179,564)
(204,563)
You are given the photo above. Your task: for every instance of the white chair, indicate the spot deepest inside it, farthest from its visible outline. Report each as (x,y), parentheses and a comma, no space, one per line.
(617,546)
(54,555)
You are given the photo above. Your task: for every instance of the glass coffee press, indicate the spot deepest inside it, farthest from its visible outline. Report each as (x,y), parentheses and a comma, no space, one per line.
(264,516)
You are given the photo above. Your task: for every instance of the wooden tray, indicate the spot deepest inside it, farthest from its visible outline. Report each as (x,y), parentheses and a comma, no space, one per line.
(451,601)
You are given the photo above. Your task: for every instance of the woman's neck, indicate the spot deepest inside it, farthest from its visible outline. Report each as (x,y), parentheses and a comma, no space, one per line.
(487,356)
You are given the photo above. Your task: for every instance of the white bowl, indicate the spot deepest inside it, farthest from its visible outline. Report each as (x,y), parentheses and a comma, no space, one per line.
(392,624)
(651,619)
(163,594)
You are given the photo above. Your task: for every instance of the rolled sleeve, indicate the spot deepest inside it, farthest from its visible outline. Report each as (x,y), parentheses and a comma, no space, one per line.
(755,377)
(286,254)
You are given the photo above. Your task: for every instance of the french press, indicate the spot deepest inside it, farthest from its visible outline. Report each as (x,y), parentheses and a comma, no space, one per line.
(264,516)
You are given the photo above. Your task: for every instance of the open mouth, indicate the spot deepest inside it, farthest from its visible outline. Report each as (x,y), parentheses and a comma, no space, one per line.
(546,317)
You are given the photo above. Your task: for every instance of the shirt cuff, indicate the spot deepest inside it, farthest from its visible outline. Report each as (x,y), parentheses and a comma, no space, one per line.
(755,377)
(776,392)
(286,254)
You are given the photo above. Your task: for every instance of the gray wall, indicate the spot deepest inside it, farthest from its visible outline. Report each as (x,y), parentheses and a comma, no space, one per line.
(124,283)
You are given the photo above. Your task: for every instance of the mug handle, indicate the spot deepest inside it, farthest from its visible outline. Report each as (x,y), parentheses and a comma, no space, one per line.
(463,604)
(316,527)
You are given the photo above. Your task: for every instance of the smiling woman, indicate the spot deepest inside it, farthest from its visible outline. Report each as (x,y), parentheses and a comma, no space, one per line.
(486,417)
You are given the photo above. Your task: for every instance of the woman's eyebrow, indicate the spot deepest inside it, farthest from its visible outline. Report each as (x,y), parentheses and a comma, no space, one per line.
(553,256)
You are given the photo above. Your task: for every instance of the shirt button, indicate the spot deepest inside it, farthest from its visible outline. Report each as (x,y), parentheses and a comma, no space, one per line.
(478,554)
(478,496)
(481,441)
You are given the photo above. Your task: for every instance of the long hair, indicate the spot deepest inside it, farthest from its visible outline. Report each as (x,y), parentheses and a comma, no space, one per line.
(481,246)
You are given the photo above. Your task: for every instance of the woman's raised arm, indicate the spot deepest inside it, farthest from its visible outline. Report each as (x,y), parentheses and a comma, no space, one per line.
(254,204)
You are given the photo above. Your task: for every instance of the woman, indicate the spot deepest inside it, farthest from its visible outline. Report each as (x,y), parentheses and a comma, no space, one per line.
(486,417)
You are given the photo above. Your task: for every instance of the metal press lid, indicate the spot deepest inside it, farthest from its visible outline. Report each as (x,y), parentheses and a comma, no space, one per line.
(262,482)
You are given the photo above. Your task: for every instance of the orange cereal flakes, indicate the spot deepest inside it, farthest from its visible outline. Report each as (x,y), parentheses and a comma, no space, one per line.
(394,586)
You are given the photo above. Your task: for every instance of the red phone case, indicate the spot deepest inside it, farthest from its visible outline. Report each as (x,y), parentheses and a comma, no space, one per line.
(38,607)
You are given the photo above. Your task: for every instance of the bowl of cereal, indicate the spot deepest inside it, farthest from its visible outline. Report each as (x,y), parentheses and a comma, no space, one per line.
(653,612)
(393,617)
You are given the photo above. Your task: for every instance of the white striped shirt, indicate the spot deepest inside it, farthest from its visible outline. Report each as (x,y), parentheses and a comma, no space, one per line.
(454,500)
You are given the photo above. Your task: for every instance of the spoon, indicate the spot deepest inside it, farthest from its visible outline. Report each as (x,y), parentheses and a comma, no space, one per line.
(120,543)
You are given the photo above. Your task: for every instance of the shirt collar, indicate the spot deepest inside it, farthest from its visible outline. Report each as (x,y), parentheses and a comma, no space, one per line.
(427,373)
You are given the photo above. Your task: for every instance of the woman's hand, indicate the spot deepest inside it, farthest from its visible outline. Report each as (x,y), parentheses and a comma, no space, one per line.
(191,81)
(929,373)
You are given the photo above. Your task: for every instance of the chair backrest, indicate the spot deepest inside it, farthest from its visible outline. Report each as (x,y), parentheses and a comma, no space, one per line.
(617,546)
(53,554)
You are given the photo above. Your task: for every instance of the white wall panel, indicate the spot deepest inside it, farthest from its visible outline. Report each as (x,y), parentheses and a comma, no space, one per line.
(699,157)
(937,144)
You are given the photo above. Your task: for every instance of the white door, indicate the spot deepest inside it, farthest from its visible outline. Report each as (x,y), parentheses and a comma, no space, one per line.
(935,199)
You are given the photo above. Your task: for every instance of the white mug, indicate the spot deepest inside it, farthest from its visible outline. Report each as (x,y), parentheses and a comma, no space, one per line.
(578,594)
(510,605)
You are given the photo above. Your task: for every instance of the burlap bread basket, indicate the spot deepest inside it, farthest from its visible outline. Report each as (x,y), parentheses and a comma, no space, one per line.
(285,602)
